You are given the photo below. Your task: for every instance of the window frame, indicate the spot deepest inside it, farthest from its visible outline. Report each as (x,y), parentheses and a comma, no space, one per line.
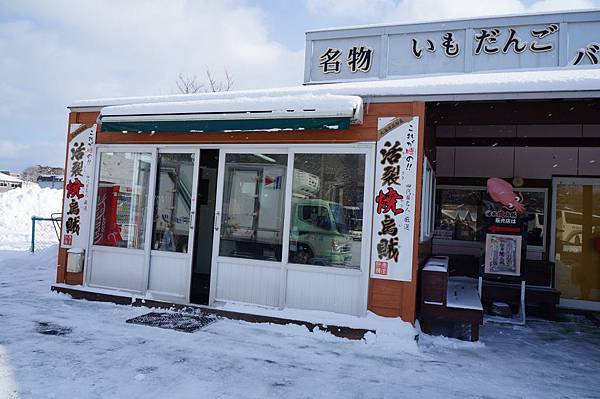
(367,149)
(532,248)
(149,201)
(428,194)
(219,211)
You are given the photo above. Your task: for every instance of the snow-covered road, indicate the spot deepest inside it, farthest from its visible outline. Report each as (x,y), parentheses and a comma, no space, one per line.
(100,356)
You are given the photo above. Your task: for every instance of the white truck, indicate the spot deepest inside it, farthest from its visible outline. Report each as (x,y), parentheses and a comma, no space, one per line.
(254,210)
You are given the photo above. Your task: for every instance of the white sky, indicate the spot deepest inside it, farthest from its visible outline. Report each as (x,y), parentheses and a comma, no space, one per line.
(54,52)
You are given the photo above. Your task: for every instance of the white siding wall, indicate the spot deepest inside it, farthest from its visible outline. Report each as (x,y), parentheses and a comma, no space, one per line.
(118,269)
(251,282)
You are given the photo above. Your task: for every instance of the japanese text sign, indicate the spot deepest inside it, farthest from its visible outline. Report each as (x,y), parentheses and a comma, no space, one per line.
(550,41)
(395,199)
(78,186)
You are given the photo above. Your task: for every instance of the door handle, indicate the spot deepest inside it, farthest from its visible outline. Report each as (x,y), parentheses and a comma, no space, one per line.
(192,220)
(217,220)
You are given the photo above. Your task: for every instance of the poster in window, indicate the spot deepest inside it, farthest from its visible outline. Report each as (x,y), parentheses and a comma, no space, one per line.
(78,190)
(395,198)
(503,254)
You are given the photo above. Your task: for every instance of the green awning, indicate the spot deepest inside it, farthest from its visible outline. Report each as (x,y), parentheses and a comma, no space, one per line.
(235,113)
(227,125)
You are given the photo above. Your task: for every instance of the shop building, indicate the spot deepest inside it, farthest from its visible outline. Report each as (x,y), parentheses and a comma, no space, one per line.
(333,195)
(8,182)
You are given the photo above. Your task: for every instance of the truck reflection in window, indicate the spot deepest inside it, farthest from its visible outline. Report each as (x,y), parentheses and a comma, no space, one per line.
(326,216)
(253,202)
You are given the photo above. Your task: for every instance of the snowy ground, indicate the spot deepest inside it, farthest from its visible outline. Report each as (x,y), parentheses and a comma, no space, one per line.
(100,356)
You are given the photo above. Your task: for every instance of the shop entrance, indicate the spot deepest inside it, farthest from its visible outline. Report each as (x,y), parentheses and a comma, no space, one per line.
(204,226)
(577,240)
(172,224)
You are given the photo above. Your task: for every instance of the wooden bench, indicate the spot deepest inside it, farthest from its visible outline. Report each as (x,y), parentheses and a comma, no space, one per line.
(453,299)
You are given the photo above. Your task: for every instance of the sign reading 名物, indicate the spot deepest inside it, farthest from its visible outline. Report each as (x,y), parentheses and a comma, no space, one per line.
(464,46)
(78,186)
(394,200)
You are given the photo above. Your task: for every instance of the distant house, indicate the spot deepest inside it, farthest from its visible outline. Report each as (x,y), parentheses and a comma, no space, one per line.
(51,181)
(8,182)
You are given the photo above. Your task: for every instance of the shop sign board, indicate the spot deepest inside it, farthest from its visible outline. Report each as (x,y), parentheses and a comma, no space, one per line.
(550,41)
(395,199)
(78,186)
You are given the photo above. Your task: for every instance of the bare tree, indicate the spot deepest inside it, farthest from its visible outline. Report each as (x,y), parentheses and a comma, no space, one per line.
(187,84)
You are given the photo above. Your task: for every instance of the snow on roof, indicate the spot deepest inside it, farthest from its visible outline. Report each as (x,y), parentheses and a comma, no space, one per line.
(286,106)
(477,18)
(570,79)
(5,177)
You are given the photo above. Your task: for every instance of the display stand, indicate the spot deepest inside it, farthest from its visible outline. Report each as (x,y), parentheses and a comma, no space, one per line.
(505,245)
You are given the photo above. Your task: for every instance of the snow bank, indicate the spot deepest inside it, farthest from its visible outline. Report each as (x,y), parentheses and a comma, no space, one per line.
(392,334)
(16,209)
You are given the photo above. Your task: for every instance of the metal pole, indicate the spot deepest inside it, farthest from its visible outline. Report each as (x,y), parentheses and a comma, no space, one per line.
(33,234)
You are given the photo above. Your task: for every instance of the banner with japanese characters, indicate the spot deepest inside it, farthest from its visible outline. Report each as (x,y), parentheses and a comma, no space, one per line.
(394,199)
(78,186)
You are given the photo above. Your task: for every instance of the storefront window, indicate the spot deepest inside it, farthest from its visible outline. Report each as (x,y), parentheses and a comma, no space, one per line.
(172,202)
(253,206)
(122,199)
(460,213)
(327,209)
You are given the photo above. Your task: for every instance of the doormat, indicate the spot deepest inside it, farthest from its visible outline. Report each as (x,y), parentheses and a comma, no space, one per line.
(175,321)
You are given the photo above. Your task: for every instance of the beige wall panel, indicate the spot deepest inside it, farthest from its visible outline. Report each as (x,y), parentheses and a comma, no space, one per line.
(589,161)
(549,131)
(484,162)
(486,131)
(444,162)
(543,162)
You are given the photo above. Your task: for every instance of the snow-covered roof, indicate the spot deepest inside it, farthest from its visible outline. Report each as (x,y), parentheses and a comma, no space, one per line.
(262,107)
(5,177)
(478,18)
(535,83)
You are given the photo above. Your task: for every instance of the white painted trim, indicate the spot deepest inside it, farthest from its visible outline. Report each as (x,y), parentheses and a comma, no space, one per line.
(248,261)
(149,218)
(117,250)
(214,267)
(367,149)
(89,253)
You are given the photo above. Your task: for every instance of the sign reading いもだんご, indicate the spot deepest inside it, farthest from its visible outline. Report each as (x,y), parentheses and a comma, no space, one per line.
(78,186)
(395,199)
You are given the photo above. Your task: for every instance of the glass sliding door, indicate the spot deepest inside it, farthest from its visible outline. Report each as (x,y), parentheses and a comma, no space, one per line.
(253,206)
(122,194)
(172,202)
(120,238)
(173,224)
(577,238)
(292,227)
